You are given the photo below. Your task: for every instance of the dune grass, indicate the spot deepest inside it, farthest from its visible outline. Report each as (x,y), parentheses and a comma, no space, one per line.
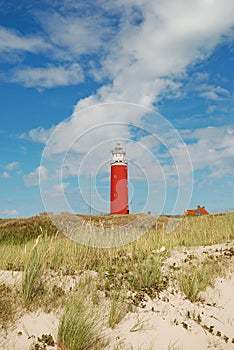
(32,272)
(135,267)
(79,328)
(6,307)
(192,231)
(194,279)
(21,231)
(203,230)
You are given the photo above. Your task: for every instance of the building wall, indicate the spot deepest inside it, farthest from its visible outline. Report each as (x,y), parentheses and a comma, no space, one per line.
(119,189)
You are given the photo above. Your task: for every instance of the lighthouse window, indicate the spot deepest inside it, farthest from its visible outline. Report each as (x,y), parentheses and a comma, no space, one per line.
(115,176)
(115,194)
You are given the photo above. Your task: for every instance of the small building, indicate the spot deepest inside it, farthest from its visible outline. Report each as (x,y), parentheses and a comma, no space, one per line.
(199,211)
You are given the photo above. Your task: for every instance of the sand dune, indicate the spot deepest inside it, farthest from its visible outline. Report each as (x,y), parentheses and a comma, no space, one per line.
(169,321)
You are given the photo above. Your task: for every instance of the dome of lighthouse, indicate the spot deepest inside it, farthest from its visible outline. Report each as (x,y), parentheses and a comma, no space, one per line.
(118,154)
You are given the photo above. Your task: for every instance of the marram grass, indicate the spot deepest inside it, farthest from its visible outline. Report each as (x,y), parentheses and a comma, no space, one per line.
(79,328)
(31,274)
(196,278)
(191,231)
(135,267)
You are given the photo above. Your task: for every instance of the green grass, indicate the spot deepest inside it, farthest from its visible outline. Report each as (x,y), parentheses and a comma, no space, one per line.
(136,267)
(146,274)
(32,273)
(79,328)
(6,309)
(118,309)
(196,278)
(21,231)
(10,304)
(204,230)
(194,231)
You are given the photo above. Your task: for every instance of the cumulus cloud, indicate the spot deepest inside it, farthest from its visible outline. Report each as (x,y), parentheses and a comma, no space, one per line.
(149,50)
(50,76)
(12,166)
(55,195)
(73,35)
(13,41)
(60,187)
(39,175)
(211,92)
(211,148)
(10,212)
(171,36)
(5,175)
(8,168)
(57,190)
(39,134)
(138,46)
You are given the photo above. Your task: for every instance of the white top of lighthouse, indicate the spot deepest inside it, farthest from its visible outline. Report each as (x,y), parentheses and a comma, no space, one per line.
(118,154)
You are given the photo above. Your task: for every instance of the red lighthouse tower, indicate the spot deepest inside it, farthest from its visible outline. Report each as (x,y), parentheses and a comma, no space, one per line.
(119,181)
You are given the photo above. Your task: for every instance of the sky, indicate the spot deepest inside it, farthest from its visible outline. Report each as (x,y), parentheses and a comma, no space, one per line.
(75,76)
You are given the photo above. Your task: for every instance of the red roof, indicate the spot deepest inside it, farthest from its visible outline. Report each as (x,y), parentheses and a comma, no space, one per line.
(198,211)
(191,212)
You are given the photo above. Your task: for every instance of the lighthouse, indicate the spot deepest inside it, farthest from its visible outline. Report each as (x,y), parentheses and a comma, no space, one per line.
(119,181)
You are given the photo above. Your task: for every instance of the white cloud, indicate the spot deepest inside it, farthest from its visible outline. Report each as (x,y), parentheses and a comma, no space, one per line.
(201,76)
(172,35)
(10,212)
(149,52)
(39,134)
(56,194)
(212,92)
(144,59)
(74,35)
(50,76)
(59,188)
(39,175)
(8,168)
(4,175)
(139,46)
(12,41)
(211,148)
(12,166)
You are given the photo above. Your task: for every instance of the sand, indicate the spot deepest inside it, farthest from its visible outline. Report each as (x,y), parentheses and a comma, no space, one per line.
(168,325)
(170,321)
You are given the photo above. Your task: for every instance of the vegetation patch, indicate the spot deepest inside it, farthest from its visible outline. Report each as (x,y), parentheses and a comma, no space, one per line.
(20,231)
(195,278)
(44,341)
(10,302)
(31,282)
(79,328)
(118,309)
(117,280)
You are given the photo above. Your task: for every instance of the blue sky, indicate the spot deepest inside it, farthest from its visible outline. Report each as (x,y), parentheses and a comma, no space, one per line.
(75,76)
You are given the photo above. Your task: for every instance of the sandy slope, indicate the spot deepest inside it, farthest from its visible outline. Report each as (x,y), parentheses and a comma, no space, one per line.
(168,322)
(164,323)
